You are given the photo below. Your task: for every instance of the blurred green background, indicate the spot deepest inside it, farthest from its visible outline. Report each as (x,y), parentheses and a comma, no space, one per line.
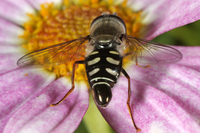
(188,35)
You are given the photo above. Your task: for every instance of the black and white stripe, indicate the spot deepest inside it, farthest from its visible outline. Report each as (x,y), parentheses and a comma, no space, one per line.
(103,66)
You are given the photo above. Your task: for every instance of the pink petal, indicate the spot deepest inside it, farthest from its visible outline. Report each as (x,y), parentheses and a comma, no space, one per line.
(18,86)
(166,109)
(191,57)
(79,100)
(9,33)
(11,28)
(34,114)
(37,3)
(9,55)
(166,15)
(22,5)
(10,52)
(7,37)
(13,13)
(8,62)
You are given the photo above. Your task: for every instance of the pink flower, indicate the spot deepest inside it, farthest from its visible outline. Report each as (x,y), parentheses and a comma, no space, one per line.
(165,98)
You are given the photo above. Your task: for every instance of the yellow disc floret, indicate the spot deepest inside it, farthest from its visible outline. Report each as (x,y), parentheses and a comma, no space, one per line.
(52,25)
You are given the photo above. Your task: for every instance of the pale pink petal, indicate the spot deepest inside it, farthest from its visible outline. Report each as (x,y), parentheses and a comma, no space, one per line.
(10,50)
(36,115)
(166,15)
(16,87)
(8,62)
(178,13)
(170,107)
(191,57)
(37,3)
(9,33)
(22,5)
(9,37)
(9,55)
(13,13)
(9,27)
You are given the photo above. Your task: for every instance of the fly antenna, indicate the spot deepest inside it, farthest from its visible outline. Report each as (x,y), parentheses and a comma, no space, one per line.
(115,13)
(105,13)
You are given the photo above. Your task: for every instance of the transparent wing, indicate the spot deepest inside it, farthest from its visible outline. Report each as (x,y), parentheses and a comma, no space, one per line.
(145,52)
(54,55)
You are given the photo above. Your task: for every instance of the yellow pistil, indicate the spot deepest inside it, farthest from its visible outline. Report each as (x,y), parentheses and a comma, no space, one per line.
(52,26)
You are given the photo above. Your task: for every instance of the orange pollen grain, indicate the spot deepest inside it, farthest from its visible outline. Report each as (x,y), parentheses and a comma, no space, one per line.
(53,26)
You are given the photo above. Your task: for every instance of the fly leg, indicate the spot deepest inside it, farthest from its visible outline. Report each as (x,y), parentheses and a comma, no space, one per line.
(128,100)
(142,66)
(139,65)
(73,74)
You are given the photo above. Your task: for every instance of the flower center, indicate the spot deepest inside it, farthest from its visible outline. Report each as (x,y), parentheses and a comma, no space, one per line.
(53,25)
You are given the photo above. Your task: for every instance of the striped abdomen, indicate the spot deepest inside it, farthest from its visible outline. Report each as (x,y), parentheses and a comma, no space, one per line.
(103,67)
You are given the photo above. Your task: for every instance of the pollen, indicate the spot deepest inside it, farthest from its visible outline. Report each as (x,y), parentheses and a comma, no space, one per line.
(52,25)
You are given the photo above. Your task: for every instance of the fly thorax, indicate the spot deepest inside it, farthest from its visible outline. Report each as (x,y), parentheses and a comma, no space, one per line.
(104,42)
(107,24)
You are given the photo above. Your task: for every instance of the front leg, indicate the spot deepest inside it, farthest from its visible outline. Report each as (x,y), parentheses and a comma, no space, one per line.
(73,75)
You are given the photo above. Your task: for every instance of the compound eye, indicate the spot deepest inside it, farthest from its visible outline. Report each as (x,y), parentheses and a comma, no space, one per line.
(102,94)
(122,37)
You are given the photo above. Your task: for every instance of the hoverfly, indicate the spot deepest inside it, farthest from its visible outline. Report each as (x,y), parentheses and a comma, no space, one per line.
(108,43)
